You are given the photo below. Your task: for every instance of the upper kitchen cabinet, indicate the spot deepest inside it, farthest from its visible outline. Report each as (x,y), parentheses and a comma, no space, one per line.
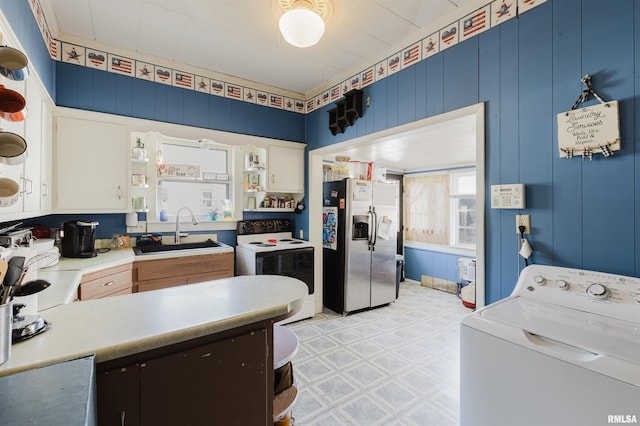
(46,166)
(89,168)
(285,169)
(273,177)
(33,134)
(26,168)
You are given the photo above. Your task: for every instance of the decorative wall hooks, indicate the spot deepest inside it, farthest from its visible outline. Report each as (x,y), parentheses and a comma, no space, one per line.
(346,112)
(589,130)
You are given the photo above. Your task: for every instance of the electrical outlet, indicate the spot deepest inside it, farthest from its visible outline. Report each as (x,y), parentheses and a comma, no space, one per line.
(141,228)
(523,220)
(302,234)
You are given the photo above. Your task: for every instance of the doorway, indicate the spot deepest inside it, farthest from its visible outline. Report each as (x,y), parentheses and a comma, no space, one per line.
(397,177)
(412,145)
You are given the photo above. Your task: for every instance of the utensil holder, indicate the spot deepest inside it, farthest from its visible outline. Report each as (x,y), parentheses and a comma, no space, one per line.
(6,317)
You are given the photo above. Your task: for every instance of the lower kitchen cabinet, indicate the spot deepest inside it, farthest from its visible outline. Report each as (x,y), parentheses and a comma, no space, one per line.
(107,282)
(225,378)
(170,272)
(119,396)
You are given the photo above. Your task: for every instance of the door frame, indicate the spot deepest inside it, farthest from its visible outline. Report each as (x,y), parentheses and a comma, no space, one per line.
(315,161)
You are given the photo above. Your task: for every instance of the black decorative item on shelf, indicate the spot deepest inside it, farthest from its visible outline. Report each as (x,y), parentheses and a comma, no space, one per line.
(346,112)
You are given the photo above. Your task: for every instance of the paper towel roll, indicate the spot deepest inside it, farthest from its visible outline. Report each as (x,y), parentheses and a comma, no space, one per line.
(131,219)
(525,249)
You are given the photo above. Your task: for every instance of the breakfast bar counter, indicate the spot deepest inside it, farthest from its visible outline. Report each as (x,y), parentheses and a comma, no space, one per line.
(118,326)
(191,354)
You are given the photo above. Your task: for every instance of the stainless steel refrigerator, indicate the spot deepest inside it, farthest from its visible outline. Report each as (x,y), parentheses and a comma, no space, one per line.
(359,244)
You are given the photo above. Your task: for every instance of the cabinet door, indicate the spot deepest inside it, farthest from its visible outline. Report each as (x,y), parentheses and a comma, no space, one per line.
(90,166)
(14,172)
(221,383)
(285,169)
(33,136)
(46,170)
(119,396)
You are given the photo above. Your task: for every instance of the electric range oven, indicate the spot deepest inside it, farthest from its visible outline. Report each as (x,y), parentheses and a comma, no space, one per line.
(267,247)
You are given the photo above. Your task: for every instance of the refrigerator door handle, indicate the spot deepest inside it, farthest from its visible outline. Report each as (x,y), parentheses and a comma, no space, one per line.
(374,235)
(371,226)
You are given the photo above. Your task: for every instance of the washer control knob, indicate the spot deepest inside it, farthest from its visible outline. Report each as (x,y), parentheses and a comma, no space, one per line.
(539,279)
(598,292)
(636,299)
(562,285)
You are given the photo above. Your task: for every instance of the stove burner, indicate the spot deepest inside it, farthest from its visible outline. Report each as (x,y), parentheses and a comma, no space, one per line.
(296,242)
(266,245)
(286,239)
(255,242)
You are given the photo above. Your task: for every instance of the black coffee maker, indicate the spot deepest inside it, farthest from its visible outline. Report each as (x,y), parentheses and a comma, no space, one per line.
(79,239)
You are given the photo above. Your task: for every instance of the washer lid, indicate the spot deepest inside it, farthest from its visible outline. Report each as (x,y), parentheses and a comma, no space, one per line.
(590,332)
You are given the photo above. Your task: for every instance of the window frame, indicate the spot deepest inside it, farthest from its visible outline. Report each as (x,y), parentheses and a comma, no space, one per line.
(234,156)
(451,199)
(214,177)
(455,196)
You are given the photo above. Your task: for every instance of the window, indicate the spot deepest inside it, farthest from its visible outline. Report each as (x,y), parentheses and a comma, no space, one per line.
(440,208)
(194,175)
(463,209)
(427,209)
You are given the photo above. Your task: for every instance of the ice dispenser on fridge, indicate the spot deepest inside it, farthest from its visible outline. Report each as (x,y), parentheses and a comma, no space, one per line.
(360,227)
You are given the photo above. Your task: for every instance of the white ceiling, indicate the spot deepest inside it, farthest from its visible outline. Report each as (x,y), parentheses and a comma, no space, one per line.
(438,145)
(240,38)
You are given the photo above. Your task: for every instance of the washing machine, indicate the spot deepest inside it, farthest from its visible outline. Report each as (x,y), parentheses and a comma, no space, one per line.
(563,349)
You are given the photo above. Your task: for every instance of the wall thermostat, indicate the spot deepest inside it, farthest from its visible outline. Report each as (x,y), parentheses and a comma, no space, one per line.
(508,196)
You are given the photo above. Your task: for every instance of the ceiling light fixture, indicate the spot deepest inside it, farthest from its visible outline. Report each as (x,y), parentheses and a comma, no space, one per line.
(302,24)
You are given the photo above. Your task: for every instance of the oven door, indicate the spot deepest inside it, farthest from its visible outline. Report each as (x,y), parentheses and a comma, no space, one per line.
(296,263)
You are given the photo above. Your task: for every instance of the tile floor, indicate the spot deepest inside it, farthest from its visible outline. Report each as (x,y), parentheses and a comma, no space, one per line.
(395,365)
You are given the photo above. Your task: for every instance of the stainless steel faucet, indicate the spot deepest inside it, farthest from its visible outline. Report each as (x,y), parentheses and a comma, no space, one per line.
(193,220)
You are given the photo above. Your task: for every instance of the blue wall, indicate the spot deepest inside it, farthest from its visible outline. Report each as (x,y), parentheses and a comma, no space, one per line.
(95,90)
(432,263)
(527,70)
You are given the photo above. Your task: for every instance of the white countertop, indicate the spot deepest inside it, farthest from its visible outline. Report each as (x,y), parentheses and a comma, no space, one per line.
(118,326)
(65,276)
(63,289)
(88,265)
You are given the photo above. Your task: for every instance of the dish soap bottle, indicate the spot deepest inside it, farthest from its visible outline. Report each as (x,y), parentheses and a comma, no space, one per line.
(228,210)
(164,212)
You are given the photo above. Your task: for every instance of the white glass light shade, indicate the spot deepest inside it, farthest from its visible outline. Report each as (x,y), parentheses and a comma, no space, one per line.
(301,27)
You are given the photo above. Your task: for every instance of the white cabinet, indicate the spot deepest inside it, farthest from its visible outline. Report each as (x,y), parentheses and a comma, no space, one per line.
(285,169)
(46,155)
(90,171)
(28,173)
(33,136)
(276,179)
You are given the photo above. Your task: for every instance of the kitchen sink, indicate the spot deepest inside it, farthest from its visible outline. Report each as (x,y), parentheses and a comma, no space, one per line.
(172,248)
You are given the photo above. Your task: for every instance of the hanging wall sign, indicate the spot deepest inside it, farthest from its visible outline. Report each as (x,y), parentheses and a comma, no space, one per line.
(591,129)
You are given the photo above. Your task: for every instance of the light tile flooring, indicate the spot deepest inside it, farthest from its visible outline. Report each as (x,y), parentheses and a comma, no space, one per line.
(394,365)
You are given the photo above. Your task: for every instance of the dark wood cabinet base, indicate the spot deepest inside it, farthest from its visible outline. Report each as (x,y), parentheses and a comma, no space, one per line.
(225,378)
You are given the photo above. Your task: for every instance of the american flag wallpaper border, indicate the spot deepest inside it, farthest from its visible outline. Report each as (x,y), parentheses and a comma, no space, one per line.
(498,11)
